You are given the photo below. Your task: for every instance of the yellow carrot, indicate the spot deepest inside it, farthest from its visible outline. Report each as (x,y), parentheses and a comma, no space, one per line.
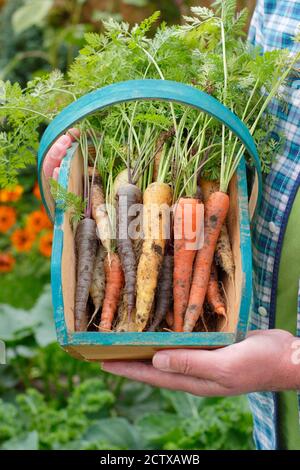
(157,199)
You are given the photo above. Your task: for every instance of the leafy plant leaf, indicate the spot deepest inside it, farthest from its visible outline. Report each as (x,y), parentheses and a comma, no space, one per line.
(18,323)
(42,311)
(29,441)
(14,323)
(116,432)
(160,428)
(185,404)
(32,13)
(67,201)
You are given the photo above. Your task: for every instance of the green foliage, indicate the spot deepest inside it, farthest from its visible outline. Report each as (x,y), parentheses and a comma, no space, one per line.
(56,427)
(19,54)
(22,113)
(22,286)
(18,325)
(151,118)
(38,36)
(32,13)
(139,31)
(67,201)
(207,52)
(62,403)
(28,441)
(52,401)
(218,424)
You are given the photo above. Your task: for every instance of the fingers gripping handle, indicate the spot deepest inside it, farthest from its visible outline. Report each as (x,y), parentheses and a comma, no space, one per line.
(145,90)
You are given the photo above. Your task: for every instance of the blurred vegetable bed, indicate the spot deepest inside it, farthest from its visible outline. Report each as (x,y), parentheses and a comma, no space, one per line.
(49,400)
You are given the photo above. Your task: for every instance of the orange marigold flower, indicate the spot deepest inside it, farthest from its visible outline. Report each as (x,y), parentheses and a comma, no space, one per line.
(11,194)
(7,262)
(36,191)
(7,218)
(22,239)
(37,221)
(45,245)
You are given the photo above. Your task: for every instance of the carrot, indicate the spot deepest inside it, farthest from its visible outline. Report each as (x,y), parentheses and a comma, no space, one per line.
(122,318)
(98,207)
(120,180)
(213,294)
(216,209)
(157,197)
(126,326)
(128,195)
(97,288)
(123,322)
(86,246)
(138,246)
(224,252)
(170,318)
(223,248)
(208,187)
(113,287)
(186,219)
(164,289)
(123,306)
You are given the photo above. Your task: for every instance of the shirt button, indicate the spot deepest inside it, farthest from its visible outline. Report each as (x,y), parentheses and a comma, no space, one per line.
(262,311)
(272,227)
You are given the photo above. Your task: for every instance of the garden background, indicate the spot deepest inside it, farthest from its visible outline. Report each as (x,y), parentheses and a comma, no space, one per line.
(49,400)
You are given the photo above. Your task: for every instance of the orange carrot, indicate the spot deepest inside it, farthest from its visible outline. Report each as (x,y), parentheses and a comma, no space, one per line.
(186,226)
(223,248)
(114,278)
(216,209)
(213,294)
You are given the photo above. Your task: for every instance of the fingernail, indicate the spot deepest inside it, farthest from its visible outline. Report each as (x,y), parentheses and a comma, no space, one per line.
(161,361)
(74,133)
(64,140)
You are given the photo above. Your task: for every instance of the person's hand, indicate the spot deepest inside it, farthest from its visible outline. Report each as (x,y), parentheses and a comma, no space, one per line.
(57,152)
(264,361)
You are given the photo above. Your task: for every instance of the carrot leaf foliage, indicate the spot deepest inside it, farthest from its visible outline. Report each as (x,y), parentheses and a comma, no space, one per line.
(67,201)
(207,51)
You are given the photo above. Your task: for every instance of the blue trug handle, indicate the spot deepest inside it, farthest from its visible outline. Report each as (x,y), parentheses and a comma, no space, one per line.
(131,90)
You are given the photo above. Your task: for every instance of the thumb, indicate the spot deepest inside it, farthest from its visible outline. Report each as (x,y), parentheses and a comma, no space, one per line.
(197,363)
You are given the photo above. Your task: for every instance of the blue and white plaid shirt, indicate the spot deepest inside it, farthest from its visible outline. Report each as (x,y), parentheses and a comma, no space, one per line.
(273,26)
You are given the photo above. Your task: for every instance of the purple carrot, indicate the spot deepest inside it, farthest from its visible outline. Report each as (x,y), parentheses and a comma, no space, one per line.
(165,287)
(86,247)
(127,196)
